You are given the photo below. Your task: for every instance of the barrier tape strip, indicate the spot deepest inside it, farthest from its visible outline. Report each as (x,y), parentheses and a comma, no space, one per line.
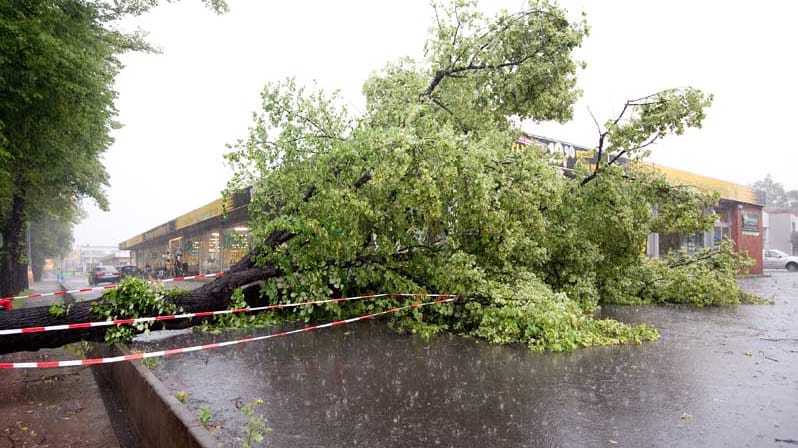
(175,351)
(107,323)
(6,302)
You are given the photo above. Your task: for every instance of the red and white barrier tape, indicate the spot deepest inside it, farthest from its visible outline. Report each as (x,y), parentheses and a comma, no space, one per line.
(5,302)
(175,351)
(107,323)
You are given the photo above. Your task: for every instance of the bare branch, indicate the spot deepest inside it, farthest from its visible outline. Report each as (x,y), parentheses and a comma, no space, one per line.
(625,151)
(441,74)
(598,126)
(440,104)
(437,18)
(457,28)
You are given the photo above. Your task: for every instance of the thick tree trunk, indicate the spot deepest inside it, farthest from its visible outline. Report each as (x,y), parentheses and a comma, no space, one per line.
(210,297)
(213,296)
(13,273)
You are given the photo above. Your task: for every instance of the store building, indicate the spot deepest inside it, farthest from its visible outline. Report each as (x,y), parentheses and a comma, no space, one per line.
(210,240)
(739,214)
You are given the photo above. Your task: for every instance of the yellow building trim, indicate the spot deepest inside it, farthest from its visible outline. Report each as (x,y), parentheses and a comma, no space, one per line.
(207,211)
(138,239)
(726,190)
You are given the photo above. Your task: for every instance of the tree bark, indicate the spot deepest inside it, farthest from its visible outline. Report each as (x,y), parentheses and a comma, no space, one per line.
(213,296)
(13,273)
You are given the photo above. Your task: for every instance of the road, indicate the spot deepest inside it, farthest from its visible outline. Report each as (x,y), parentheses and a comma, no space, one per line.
(717,377)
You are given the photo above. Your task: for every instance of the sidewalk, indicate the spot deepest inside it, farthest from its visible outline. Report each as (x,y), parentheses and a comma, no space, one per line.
(42,287)
(52,407)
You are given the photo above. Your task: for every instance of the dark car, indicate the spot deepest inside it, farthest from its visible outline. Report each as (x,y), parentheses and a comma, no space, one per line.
(130,271)
(103,274)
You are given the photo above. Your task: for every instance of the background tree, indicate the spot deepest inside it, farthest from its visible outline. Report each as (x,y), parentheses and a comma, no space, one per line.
(51,237)
(775,194)
(777,197)
(58,60)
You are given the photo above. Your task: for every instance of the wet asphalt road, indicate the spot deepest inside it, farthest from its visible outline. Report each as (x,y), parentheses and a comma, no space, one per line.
(718,377)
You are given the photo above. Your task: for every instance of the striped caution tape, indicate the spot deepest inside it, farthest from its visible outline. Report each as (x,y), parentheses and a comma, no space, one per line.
(5,302)
(175,351)
(107,323)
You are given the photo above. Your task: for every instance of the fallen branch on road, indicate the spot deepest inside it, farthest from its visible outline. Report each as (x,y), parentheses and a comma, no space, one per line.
(213,296)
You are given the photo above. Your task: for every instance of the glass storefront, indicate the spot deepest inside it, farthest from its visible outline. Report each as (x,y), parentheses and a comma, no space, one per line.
(203,252)
(236,244)
(210,253)
(700,240)
(191,252)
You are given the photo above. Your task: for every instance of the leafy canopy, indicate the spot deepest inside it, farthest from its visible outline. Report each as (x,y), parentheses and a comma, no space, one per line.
(424,191)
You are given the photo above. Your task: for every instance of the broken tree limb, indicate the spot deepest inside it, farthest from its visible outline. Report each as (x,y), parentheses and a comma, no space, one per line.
(213,296)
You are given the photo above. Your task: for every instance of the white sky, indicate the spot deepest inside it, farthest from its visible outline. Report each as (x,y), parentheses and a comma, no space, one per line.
(180,108)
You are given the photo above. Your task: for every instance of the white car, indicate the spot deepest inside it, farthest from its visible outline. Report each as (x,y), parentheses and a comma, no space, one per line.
(776,259)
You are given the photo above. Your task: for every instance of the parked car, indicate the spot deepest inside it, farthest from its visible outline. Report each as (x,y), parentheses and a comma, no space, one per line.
(130,271)
(776,259)
(104,273)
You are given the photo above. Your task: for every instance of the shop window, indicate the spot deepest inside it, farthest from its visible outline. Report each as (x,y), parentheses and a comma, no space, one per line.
(693,243)
(213,257)
(236,244)
(719,231)
(669,242)
(191,252)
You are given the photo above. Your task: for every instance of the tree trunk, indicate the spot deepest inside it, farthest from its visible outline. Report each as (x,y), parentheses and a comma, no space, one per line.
(213,296)
(13,273)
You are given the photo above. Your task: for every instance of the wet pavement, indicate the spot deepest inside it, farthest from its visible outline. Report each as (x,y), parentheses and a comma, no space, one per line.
(54,407)
(65,407)
(718,377)
(83,282)
(47,285)
(50,285)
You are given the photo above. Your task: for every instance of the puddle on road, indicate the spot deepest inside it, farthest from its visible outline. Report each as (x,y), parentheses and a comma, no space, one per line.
(709,381)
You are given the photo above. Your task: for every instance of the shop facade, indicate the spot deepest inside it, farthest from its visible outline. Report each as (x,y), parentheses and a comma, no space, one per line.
(738,215)
(215,236)
(208,239)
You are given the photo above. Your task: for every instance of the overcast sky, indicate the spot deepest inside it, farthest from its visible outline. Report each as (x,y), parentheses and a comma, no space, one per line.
(181,107)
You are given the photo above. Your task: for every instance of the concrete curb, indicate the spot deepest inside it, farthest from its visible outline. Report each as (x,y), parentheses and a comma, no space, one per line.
(157,417)
(68,299)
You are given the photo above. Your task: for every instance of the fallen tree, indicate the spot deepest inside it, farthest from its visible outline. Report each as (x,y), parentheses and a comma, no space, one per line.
(424,193)
(212,296)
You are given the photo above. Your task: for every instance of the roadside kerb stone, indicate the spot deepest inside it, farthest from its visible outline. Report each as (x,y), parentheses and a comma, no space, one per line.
(157,417)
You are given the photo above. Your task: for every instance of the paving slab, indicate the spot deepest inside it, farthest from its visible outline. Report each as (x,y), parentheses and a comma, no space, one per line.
(52,407)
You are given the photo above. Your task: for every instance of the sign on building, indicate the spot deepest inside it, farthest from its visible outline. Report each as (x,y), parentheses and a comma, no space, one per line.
(750,223)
